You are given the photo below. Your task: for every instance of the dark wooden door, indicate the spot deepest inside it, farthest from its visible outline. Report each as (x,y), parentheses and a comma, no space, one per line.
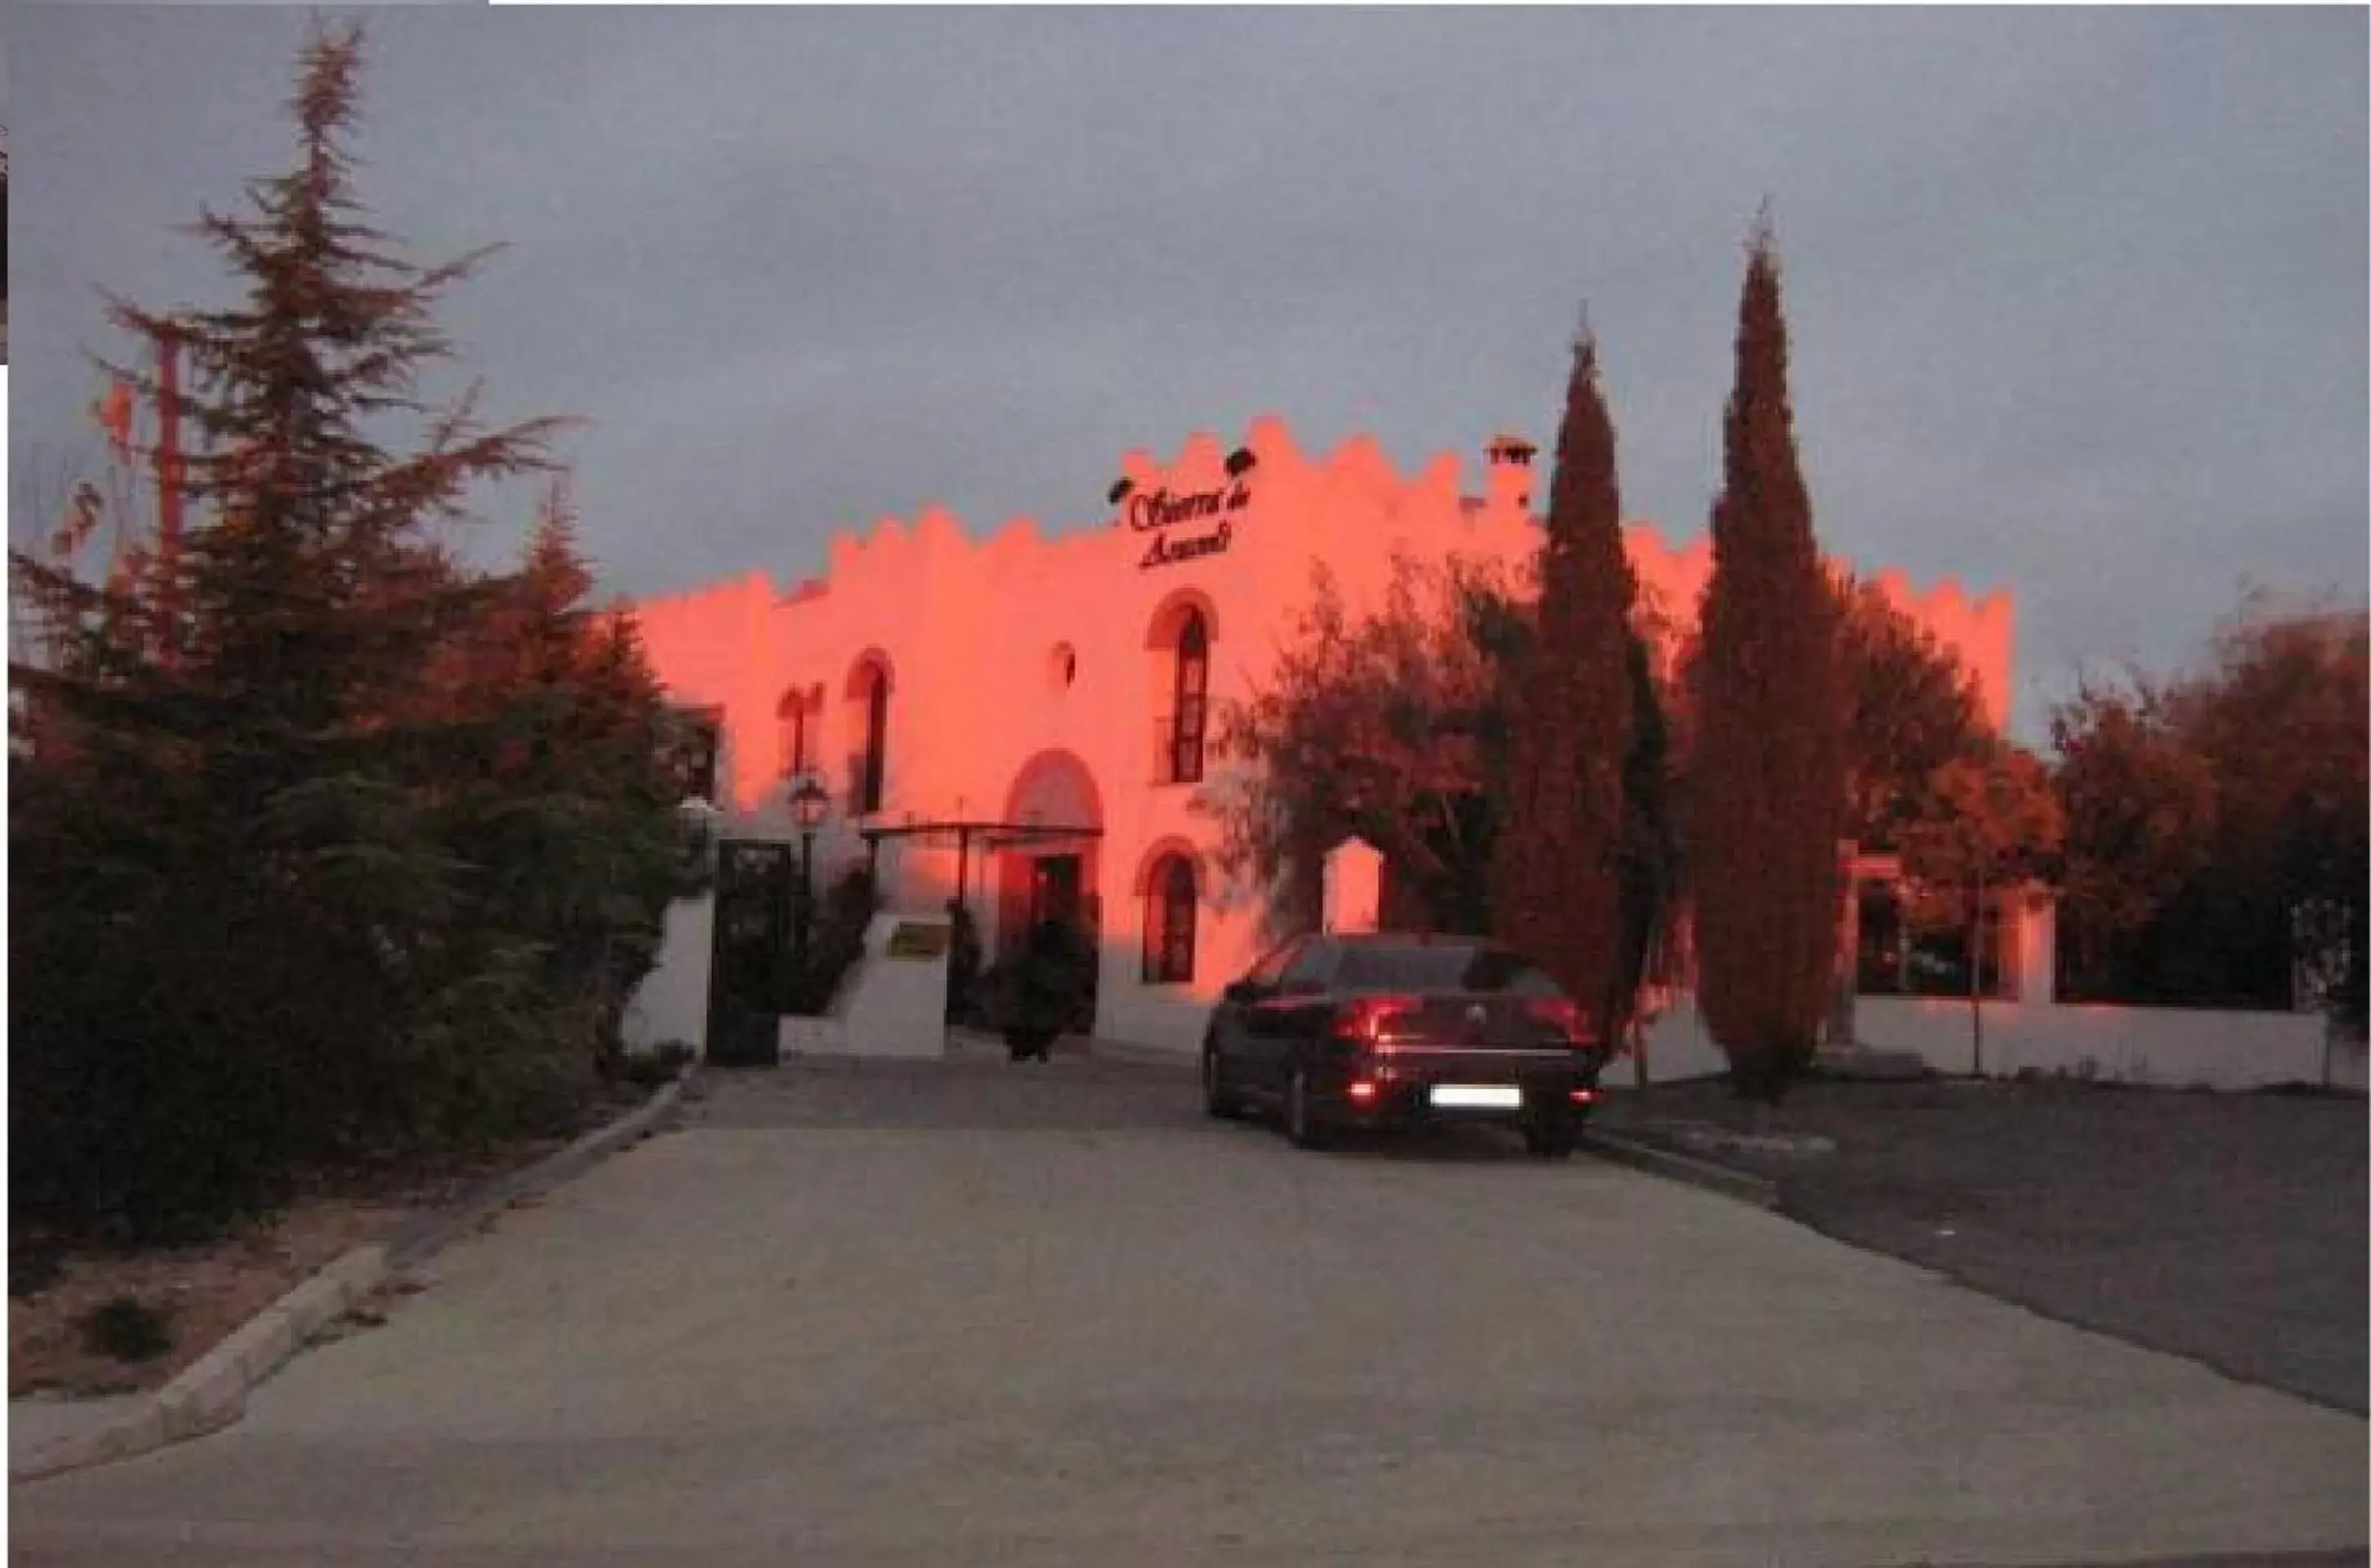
(1058,893)
(1054,887)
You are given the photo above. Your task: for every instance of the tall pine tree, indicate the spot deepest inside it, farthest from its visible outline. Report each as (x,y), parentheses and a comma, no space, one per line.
(1557,888)
(237,840)
(1767,780)
(564,811)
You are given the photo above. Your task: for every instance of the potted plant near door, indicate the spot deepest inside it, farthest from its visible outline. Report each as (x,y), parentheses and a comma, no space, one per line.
(1038,992)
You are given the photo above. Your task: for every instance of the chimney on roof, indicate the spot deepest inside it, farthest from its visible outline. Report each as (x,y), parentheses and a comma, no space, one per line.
(1509,462)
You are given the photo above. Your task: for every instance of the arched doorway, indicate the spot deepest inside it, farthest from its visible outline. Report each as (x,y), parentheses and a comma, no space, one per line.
(1051,877)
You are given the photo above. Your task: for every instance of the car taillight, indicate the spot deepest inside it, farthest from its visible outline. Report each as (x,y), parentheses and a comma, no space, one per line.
(1562,1013)
(1364,1018)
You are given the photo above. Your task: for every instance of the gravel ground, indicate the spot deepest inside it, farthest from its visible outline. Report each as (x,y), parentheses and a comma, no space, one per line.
(203,1293)
(2229,1228)
(206,1292)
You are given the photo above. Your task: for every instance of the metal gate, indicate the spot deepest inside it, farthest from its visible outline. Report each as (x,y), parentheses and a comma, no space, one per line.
(756,914)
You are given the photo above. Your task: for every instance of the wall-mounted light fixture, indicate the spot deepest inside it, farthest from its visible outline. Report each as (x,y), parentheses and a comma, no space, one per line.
(810,804)
(1118,491)
(1240,461)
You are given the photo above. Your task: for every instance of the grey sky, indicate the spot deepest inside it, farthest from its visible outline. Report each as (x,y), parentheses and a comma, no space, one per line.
(2079,298)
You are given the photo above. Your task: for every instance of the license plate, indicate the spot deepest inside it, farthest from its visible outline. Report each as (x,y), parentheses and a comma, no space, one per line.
(1490,1097)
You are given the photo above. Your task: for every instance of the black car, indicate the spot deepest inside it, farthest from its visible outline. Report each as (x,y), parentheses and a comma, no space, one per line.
(1383,1029)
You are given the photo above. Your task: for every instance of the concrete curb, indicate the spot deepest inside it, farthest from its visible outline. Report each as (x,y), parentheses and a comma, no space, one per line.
(211,1392)
(1760,1191)
(420,1239)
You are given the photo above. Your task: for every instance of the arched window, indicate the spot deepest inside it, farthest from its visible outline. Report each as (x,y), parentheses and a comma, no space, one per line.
(1190,700)
(1169,901)
(875,766)
(791,716)
(698,750)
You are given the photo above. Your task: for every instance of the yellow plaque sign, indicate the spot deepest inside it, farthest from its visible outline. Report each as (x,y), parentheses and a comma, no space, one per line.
(918,940)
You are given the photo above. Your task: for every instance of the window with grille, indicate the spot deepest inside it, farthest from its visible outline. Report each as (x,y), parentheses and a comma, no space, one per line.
(791,719)
(1169,923)
(1190,702)
(876,741)
(698,745)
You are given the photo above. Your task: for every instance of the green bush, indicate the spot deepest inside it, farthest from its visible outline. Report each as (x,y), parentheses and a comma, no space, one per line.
(126,1329)
(35,1264)
(965,979)
(835,942)
(1040,992)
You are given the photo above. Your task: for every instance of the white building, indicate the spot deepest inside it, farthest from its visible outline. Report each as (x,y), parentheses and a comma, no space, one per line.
(1046,705)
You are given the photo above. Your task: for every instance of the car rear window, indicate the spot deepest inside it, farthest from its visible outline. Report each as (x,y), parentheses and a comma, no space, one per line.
(1380,966)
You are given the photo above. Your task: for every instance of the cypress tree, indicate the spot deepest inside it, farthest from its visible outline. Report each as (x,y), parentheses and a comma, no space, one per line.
(1767,793)
(1647,861)
(1557,847)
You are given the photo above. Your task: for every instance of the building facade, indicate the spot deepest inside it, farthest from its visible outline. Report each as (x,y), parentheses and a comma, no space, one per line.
(1024,722)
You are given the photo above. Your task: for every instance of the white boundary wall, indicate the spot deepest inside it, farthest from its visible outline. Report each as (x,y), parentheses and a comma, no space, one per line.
(671,1002)
(2176,1046)
(1159,1018)
(2171,1046)
(1677,1047)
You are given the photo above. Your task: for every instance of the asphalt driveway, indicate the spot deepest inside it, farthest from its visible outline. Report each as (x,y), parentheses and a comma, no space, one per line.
(978,1313)
(2232,1228)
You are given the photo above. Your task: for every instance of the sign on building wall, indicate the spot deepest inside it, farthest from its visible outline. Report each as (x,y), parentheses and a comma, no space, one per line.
(1188,527)
(920,940)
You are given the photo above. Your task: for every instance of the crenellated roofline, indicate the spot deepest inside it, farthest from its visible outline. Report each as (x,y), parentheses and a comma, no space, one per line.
(937,536)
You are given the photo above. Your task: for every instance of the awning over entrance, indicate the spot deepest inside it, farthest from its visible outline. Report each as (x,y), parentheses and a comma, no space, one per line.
(991,837)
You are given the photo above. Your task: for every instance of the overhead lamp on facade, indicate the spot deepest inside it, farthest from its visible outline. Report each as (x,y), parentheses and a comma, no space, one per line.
(699,820)
(1118,491)
(1240,461)
(810,803)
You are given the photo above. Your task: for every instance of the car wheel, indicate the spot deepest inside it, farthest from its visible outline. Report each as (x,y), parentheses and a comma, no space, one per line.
(1216,1099)
(1551,1140)
(1300,1125)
